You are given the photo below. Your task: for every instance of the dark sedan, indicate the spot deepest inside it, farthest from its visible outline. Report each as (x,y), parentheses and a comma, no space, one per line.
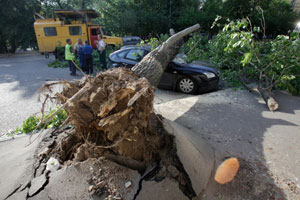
(184,77)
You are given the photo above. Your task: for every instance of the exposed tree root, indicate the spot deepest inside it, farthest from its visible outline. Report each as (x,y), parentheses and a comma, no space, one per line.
(113,117)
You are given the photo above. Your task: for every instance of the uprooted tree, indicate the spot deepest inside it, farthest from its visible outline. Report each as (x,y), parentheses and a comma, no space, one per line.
(113,115)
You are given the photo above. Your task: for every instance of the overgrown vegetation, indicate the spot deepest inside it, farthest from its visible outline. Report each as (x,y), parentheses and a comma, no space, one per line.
(30,124)
(243,55)
(144,18)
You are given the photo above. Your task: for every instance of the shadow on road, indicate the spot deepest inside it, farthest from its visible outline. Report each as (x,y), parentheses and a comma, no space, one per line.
(236,125)
(26,74)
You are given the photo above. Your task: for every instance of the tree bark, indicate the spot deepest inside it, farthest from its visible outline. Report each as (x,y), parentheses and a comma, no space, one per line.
(269,99)
(154,64)
(265,94)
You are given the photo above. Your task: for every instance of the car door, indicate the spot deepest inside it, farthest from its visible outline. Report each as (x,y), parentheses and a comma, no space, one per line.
(133,57)
(169,77)
(94,32)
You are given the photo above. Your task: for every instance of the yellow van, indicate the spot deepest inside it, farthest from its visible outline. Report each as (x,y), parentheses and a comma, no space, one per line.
(73,24)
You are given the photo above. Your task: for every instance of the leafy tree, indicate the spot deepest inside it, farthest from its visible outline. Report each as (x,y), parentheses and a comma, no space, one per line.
(16,22)
(270,63)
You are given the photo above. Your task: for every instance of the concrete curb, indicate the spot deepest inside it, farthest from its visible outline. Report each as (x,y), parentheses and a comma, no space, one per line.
(196,156)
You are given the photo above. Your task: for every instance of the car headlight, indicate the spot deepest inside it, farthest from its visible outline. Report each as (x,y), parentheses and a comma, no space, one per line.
(209,74)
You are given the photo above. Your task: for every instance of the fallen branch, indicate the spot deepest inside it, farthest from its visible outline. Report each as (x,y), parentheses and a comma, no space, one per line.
(265,94)
(269,99)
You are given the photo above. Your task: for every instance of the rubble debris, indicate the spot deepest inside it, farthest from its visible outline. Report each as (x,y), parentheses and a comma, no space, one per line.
(52,164)
(173,171)
(128,184)
(227,170)
(77,181)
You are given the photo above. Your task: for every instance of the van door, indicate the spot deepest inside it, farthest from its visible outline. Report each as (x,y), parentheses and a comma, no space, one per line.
(93,33)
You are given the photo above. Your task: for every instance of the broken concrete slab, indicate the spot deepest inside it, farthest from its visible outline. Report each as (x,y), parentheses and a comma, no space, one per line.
(196,156)
(37,184)
(164,190)
(91,179)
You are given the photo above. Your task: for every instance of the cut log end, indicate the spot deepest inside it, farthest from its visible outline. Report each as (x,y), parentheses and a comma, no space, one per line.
(272,104)
(227,170)
(269,99)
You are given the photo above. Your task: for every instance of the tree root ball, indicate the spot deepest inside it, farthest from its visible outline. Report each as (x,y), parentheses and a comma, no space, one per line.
(113,118)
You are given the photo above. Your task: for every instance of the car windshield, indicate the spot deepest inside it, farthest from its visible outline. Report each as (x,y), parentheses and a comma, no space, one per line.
(180,58)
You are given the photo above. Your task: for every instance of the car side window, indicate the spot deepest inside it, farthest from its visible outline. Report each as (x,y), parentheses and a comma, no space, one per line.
(135,54)
(122,54)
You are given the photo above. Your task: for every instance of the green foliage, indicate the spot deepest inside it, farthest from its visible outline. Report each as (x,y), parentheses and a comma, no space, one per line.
(272,63)
(58,119)
(30,124)
(16,22)
(59,64)
(154,42)
(145,18)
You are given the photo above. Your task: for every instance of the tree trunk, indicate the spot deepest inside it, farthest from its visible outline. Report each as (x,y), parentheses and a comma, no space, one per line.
(265,94)
(3,47)
(269,99)
(154,64)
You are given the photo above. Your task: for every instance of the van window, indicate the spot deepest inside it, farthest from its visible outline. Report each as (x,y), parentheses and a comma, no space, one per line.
(95,31)
(104,32)
(50,31)
(75,30)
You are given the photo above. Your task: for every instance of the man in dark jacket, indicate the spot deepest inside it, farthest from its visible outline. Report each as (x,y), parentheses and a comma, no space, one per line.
(88,58)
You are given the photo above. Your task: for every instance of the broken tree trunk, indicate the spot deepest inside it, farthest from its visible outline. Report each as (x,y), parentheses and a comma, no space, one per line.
(154,64)
(265,94)
(269,99)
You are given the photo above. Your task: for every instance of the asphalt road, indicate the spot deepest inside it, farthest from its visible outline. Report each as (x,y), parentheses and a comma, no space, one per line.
(238,124)
(235,123)
(21,77)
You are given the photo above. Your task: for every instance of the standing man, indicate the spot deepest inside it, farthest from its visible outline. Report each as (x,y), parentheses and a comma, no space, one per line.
(102,53)
(70,57)
(88,58)
(78,44)
(79,53)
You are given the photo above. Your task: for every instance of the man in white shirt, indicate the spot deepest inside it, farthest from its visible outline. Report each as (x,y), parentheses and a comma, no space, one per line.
(102,53)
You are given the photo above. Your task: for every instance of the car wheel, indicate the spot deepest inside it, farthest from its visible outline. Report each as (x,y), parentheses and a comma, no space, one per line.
(187,85)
